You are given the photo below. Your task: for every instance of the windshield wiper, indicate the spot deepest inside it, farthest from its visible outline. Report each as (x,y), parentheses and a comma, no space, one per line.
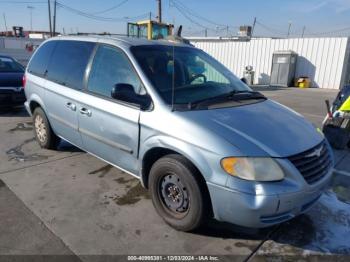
(236,95)
(247,93)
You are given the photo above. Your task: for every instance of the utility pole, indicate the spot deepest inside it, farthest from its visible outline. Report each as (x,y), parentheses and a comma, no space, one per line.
(159,11)
(206,32)
(302,35)
(150,16)
(253,27)
(31,16)
(50,25)
(5,22)
(289,27)
(54,18)
(227,30)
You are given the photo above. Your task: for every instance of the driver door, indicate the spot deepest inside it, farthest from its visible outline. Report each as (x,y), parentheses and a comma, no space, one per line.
(110,128)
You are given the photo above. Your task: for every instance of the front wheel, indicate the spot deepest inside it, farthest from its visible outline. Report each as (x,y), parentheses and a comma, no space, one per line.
(177,194)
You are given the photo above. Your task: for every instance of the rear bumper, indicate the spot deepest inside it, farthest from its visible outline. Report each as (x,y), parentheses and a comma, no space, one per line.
(11,97)
(258,211)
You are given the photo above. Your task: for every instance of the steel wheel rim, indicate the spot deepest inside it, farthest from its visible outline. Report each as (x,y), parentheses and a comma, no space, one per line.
(174,195)
(40,128)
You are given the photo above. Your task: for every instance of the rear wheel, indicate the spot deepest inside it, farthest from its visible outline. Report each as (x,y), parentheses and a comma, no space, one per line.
(177,193)
(43,131)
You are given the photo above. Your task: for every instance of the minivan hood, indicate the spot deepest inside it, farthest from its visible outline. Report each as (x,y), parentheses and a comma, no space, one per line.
(261,129)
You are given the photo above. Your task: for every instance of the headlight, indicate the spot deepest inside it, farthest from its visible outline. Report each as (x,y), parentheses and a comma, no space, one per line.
(256,169)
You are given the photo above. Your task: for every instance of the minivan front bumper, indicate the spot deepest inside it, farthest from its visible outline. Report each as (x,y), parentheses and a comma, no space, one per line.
(263,210)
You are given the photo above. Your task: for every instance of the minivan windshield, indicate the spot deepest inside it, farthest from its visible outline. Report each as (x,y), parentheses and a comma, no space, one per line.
(196,76)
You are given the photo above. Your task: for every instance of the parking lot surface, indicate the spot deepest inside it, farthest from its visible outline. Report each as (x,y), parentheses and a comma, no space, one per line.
(70,203)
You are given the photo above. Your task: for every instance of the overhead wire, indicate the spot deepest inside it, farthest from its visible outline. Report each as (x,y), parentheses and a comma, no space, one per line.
(99,18)
(331,32)
(110,8)
(23,2)
(194,14)
(190,15)
(270,29)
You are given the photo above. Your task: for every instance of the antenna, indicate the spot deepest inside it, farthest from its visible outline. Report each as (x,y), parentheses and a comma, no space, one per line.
(173,82)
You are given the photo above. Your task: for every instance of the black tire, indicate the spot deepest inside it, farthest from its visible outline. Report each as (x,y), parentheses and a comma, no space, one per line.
(49,140)
(193,211)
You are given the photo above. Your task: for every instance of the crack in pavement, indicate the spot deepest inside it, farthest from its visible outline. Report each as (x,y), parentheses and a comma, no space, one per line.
(267,237)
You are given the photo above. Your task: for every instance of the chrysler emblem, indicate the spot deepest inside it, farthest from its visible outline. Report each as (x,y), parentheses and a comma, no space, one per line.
(316,152)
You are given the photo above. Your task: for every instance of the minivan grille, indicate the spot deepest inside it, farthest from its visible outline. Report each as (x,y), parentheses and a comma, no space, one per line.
(314,163)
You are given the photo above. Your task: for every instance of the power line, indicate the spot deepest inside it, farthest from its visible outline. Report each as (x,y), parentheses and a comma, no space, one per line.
(190,15)
(303,31)
(191,12)
(270,29)
(111,8)
(329,32)
(99,18)
(187,17)
(23,2)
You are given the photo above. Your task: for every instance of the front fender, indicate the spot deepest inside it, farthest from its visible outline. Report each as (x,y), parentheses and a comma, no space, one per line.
(207,162)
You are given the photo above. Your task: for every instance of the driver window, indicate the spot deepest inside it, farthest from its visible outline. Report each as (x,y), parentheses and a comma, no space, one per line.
(111,67)
(200,71)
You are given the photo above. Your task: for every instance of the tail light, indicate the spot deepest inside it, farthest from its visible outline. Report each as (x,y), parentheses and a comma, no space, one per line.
(24,81)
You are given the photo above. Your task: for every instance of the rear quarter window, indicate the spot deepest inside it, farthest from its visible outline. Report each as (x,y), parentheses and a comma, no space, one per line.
(40,60)
(68,63)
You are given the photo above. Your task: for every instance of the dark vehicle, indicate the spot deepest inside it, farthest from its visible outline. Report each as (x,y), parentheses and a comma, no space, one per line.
(11,82)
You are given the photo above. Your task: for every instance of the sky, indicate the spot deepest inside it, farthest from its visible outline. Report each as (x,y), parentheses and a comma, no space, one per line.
(219,17)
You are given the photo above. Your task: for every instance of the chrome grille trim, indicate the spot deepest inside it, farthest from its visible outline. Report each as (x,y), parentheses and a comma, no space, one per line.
(313,164)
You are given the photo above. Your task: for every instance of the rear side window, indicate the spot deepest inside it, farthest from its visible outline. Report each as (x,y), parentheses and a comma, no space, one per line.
(68,63)
(41,58)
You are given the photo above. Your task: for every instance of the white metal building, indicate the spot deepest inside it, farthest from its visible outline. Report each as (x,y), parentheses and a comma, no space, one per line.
(326,61)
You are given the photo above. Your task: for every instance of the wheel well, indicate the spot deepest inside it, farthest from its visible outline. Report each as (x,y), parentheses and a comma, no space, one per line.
(150,158)
(33,105)
(156,153)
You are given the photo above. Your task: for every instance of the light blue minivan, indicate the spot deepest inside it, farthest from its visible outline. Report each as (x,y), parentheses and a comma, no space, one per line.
(202,142)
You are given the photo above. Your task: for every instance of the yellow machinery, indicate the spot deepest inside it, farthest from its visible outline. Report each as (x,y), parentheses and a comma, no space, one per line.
(150,29)
(336,125)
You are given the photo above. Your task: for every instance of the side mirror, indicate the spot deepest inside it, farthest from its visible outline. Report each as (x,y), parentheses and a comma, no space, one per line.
(126,92)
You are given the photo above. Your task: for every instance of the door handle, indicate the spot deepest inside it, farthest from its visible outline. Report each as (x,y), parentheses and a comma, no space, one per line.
(85,111)
(71,106)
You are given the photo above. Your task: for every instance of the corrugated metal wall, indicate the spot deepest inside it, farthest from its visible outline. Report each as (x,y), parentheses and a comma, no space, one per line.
(321,59)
